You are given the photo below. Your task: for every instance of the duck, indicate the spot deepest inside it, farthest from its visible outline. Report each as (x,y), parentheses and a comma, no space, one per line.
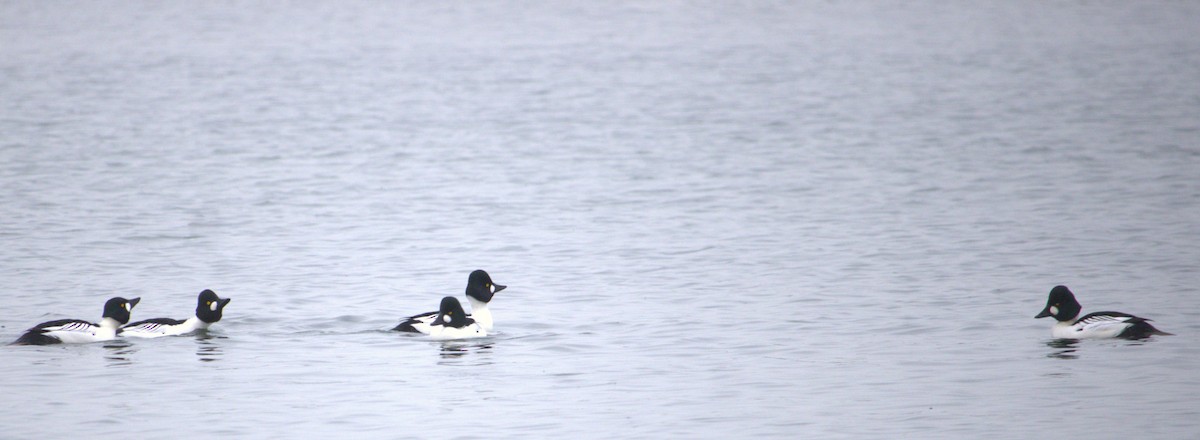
(209,308)
(1063,306)
(480,291)
(453,323)
(77,331)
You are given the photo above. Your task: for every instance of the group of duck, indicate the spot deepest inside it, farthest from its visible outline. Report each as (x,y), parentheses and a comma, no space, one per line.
(449,322)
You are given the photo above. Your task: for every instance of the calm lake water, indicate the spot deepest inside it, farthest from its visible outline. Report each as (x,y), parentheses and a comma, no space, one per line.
(715,219)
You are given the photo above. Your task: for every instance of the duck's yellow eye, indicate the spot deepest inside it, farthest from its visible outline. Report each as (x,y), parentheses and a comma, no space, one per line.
(208,303)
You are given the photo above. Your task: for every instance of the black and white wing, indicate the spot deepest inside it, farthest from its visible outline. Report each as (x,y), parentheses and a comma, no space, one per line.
(1117,325)
(150,327)
(417,323)
(1106,324)
(57,332)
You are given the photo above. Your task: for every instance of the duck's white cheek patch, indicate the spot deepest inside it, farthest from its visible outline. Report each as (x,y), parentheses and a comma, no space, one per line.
(446,318)
(212,306)
(127,308)
(1053,310)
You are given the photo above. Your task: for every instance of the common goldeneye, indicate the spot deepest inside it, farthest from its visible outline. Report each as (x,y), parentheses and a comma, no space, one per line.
(75,331)
(480,290)
(1063,307)
(208,311)
(452,322)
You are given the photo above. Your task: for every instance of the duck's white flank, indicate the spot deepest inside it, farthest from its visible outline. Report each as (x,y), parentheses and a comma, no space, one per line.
(1094,327)
(80,332)
(155,330)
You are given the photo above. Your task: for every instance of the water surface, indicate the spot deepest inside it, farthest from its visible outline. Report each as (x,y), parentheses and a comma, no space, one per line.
(780,219)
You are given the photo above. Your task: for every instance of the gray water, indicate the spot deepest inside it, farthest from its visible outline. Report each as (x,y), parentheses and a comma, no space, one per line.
(715,219)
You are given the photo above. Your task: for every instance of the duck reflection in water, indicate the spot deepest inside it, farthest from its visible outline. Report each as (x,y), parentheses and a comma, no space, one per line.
(119,352)
(1063,348)
(455,352)
(207,348)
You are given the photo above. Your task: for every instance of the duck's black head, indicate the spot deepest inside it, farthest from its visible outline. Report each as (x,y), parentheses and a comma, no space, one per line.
(1061,305)
(451,314)
(481,287)
(119,309)
(209,306)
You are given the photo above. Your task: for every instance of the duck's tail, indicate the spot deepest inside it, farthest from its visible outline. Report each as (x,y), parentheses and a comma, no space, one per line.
(1143,329)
